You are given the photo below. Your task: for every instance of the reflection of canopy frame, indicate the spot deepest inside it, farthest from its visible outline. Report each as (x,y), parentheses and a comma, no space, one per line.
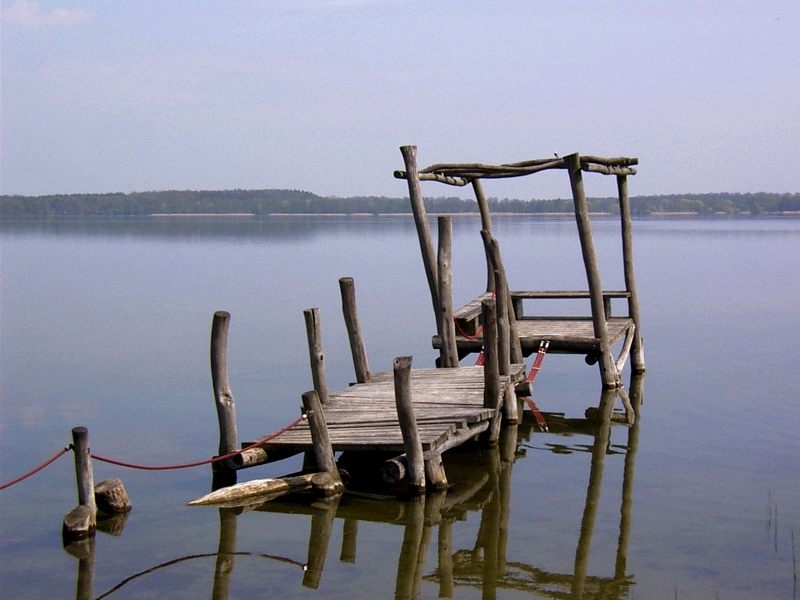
(594,337)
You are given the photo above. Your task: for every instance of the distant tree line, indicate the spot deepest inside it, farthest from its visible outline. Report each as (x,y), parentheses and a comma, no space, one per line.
(266,202)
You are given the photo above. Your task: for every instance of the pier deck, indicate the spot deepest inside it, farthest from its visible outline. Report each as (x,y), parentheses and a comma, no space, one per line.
(448,405)
(573,335)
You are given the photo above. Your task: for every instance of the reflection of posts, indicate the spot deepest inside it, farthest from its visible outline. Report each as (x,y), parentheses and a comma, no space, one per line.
(349,541)
(607,400)
(407,569)
(318,540)
(445,570)
(225,553)
(636,397)
(489,533)
(508,446)
(83,550)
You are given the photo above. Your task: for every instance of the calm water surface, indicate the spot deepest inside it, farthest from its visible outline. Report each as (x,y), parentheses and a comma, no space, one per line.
(106,324)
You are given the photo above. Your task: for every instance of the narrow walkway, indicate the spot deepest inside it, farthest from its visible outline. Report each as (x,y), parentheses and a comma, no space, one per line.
(448,405)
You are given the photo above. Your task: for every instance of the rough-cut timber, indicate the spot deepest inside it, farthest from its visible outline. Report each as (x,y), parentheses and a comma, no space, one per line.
(447,403)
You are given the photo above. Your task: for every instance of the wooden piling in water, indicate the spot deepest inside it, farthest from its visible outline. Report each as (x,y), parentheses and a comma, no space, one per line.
(608,370)
(408,424)
(317,358)
(323,451)
(223,397)
(491,370)
(423,229)
(492,248)
(448,355)
(357,347)
(637,349)
(83,470)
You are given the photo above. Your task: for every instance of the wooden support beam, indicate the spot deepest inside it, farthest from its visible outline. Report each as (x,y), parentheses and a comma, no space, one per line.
(423,228)
(408,424)
(637,349)
(357,348)
(491,369)
(435,476)
(486,224)
(448,355)
(608,370)
(223,397)
(316,356)
(492,248)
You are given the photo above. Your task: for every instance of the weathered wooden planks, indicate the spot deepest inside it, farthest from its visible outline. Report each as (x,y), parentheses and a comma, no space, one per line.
(364,416)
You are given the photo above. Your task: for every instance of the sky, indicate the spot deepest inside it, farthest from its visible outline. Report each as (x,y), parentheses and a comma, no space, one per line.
(318,95)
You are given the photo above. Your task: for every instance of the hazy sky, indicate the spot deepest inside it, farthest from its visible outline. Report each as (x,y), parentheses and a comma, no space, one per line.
(319,94)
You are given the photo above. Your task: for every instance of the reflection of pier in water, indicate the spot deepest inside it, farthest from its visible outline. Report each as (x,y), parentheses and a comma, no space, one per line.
(480,480)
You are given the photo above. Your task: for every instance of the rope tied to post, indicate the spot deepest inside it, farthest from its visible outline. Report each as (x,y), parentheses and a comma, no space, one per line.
(216,459)
(537,363)
(49,461)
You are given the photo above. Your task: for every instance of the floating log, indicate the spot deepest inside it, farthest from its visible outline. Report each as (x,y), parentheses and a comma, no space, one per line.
(111,497)
(260,490)
(83,470)
(357,348)
(314,333)
(408,424)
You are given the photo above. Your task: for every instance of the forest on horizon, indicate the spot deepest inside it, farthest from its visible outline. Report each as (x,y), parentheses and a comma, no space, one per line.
(278,201)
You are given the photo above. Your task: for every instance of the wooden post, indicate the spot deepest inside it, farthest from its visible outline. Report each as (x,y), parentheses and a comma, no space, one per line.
(637,350)
(435,476)
(225,554)
(492,248)
(357,348)
(608,370)
(491,369)
(323,451)
(223,397)
(318,540)
(486,224)
(448,355)
(349,540)
(314,333)
(83,471)
(423,228)
(408,424)
(111,497)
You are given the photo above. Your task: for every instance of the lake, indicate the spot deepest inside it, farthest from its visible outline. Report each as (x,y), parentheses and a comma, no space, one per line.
(105,324)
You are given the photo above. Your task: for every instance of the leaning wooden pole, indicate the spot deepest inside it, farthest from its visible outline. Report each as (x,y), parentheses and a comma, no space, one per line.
(637,349)
(608,370)
(423,228)
(448,355)
(486,224)
(492,247)
(316,356)
(412,443)
(323,449)
(223,397)
(357,348)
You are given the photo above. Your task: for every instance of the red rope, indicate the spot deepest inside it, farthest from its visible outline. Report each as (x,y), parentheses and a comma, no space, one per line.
(37,469)
(466,335)
(481,359)
(537,414)
(537,363)
(202,462)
